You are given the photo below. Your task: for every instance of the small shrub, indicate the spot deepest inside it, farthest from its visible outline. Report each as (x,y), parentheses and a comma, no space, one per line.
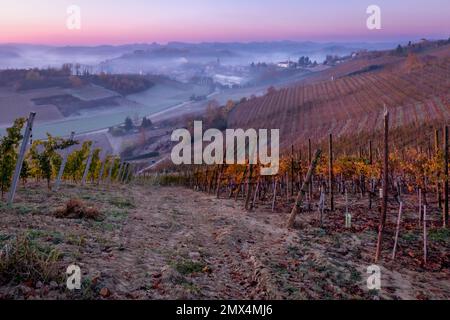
(410,237)
(122,203)
(186,267)
(439,235)
(118,215)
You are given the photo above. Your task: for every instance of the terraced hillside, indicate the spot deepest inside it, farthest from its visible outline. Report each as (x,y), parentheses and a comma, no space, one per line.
(416,91)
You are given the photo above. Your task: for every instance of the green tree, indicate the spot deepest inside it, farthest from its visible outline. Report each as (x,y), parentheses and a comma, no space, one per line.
(8,154)
(146,123)
(399,50)
(129,124)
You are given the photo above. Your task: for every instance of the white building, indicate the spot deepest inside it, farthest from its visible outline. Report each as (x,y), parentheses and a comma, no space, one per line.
(283,64)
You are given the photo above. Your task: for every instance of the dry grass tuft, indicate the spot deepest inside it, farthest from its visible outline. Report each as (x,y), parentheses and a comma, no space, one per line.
(22,260)
(76,209)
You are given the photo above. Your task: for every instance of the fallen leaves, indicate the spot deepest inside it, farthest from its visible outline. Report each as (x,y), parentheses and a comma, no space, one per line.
(105,292)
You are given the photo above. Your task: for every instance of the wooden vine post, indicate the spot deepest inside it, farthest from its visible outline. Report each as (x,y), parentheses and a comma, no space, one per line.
(212,181)
(119,171)
(255,195)
(371,181)
(249,186)
(88,165)
(19,163)
(384,186)
(124,172)
(331,173)
(125,169)
(219,180)
(438,183)
(209,181)
(445,212)
(425,234)
(111,165)
(196,179)
(129,173)
(63,165)
(299,170)
(310,160)
(397,230)
(310,186)
(205,180)
(239,186)
(292,171)
(274,193)
(302,191)
(102,171)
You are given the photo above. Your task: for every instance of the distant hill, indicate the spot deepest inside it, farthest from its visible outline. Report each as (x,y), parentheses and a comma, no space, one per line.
(29,56)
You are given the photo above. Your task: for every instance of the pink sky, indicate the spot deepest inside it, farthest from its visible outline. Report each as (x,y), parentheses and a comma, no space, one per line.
(120,21)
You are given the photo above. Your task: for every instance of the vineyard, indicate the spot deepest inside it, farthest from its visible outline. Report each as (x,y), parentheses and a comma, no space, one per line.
(363,180)
(54,160)
(347,166)
(350,105)
(65,191)
(393,202)
(392,199)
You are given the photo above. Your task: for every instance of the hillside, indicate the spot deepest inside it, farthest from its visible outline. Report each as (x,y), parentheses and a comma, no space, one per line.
(415,89)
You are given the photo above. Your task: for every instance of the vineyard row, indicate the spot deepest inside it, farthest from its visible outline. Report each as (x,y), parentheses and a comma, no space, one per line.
(386,179)
(21,159)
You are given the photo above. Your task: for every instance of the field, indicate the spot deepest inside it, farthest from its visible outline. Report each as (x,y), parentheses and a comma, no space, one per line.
(14,105)
(163,96)
(99,108)
(91,92)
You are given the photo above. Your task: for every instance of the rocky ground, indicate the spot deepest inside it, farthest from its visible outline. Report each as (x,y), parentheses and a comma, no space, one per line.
(152,242)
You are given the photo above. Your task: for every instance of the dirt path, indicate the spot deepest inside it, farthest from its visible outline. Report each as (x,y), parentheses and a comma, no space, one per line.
(183,244)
